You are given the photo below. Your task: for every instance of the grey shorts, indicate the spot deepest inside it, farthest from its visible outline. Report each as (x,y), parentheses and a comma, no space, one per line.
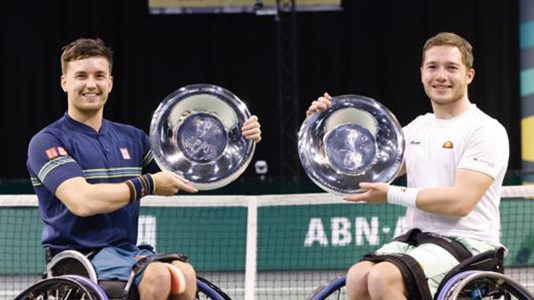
(435,261)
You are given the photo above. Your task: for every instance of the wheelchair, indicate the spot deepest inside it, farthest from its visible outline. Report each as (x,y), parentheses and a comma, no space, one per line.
(479,277)
(70,275)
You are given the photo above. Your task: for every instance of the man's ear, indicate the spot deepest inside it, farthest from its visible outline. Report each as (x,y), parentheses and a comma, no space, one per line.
(470,75)
(63,83)
(110,83)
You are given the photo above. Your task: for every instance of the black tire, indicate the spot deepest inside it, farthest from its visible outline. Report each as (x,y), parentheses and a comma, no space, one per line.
(64,287)
(492,285)
(483,285)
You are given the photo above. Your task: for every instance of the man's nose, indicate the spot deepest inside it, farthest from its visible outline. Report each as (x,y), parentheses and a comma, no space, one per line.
(90,82)
(441,74)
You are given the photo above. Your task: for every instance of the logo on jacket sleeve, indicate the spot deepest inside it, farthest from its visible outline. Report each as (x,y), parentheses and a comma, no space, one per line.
(54,152)
(125,153)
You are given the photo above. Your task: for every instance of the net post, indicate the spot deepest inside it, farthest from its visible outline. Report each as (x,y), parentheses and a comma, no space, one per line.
(252,244)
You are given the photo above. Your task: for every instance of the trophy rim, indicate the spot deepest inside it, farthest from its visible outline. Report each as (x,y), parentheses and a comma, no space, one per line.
(314,159)
(196,179)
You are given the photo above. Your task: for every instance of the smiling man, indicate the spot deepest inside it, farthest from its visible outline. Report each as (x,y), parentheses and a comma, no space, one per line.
(87,82)
(89,174)
(455,161)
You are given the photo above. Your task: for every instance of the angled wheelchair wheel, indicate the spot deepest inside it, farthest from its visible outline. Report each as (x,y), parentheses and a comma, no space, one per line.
(63,288)
(334,289)
(207,290)
(483,285)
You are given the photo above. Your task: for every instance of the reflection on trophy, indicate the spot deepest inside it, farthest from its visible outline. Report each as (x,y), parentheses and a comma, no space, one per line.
(196,132)
(355,140)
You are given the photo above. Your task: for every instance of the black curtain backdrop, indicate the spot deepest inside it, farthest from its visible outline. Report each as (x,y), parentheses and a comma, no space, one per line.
(371,48)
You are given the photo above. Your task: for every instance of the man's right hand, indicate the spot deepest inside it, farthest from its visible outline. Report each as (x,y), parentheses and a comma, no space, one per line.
(169,183)
(321,104)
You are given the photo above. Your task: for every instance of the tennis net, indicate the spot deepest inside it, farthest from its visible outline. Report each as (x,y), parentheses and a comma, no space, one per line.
(258,247)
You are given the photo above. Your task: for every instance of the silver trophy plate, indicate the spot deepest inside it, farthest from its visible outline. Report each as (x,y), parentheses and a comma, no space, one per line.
(196,133)
(357,139)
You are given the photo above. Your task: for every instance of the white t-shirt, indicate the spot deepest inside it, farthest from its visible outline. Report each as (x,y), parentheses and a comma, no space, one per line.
(436,148)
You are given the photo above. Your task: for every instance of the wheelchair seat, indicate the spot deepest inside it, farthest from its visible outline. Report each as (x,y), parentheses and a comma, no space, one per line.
(489,262)
(71,274)
(72,262)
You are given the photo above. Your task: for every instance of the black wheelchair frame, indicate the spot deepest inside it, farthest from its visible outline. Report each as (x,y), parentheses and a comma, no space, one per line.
(70,275)
(480,277)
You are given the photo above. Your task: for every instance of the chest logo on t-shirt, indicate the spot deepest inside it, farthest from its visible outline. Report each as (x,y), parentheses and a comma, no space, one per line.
(448,145)
(125,153)
(54,152)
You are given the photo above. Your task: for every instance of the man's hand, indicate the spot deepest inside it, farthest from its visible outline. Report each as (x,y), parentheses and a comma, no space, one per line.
(168,184)
(321,104)
(251,129)
(372,193)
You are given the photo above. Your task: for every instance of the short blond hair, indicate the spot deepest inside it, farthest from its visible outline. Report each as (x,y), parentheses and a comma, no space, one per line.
(451,39)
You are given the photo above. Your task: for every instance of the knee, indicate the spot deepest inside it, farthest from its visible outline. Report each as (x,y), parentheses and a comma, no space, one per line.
(156,281)
(356,275)
(190,279)
(384,276)
(356,283)
(161,280)
(156,272)
(187,269)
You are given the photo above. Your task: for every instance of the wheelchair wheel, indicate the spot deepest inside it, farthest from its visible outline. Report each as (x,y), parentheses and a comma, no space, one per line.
(334,289)
(483,285)
(207,290)
(63,288)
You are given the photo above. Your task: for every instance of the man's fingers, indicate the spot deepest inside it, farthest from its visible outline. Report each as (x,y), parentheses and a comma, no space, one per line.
(366,186)
(250,125)
(321,104)
(187,187)
(251,129)
(252,120)
(317,106)
(354,198)
(184,185)
(180,176)
(253,134)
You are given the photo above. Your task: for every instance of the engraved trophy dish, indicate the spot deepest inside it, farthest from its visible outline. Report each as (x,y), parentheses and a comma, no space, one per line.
(357,139)
(196,132)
